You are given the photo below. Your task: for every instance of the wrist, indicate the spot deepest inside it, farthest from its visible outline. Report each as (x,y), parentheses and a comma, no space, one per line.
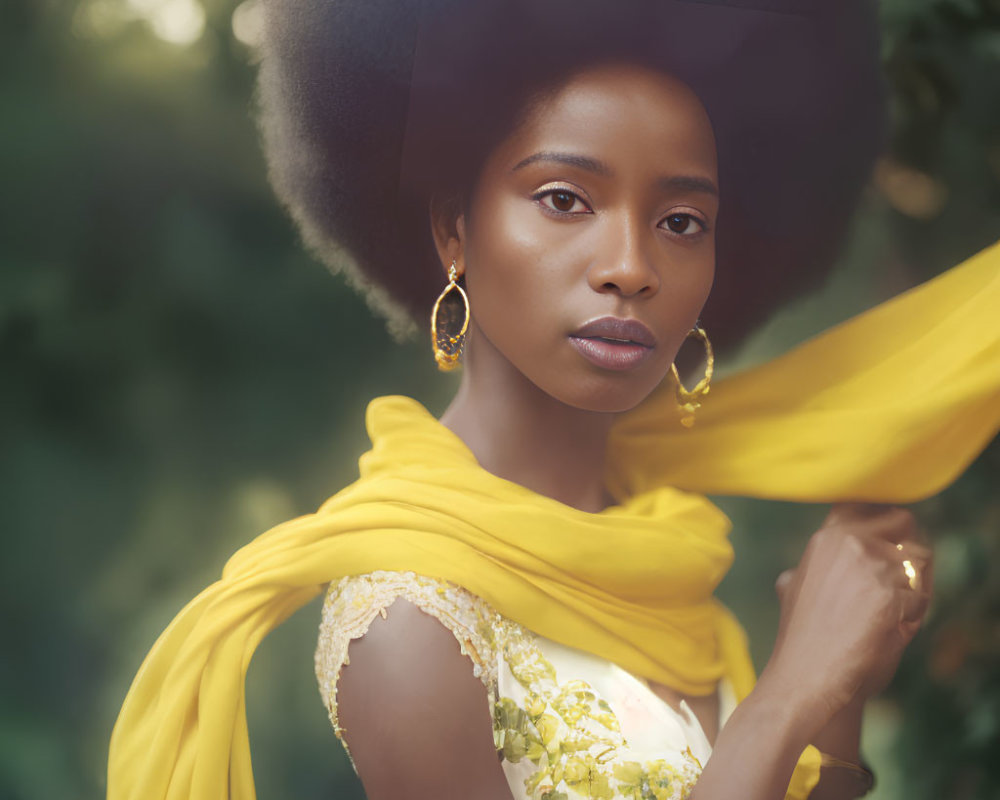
(757,749)
(794,724)
(807,709)
(843,779)
(841,736)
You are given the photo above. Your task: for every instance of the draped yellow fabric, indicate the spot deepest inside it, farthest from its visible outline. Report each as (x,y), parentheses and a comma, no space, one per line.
(889,406)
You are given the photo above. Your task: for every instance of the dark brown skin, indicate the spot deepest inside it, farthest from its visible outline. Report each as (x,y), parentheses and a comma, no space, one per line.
(529,406)
(546,247)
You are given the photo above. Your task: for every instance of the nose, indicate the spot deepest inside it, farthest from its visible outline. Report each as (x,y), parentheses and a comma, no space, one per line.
(623,266)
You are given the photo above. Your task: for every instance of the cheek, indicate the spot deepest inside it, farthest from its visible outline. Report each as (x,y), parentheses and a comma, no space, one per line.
(688,276)
(528,287)
(704,278)
(516,270)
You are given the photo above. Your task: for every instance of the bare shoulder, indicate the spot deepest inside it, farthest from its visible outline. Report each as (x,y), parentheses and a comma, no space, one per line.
(414,715)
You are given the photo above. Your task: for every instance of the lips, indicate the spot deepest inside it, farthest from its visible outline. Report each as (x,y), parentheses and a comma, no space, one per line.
(615,329)
(614,343)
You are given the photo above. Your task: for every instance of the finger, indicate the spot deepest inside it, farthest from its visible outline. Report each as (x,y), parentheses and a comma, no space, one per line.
(902,551)
(917,563)
(852,512)
(913,608)
(898,574)
(894,524)
(909,628)
(906,573)
(919,534)
(927,578)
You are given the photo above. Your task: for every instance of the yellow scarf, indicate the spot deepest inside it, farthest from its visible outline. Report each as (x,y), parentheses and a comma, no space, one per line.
(889,406)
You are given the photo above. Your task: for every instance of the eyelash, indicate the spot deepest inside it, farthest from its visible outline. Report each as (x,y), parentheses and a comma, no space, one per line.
(697,220)
(540,196)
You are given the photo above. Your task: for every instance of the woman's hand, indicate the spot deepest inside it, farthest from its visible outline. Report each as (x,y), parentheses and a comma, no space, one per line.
(848,610)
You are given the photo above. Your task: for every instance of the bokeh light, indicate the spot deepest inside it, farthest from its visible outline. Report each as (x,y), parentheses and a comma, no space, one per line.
(178,375)
(248,22)
(179,22)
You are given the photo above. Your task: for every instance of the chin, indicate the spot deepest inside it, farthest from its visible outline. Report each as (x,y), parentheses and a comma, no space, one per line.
(604,393)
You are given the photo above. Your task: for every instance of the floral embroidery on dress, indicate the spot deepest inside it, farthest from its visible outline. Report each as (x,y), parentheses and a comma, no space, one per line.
(572,736)
(558,740)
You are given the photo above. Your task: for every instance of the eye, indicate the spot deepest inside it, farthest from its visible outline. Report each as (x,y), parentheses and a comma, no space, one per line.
(682,224)
(562,201)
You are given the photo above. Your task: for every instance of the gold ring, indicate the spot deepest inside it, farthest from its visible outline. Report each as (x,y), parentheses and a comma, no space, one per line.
(911,571)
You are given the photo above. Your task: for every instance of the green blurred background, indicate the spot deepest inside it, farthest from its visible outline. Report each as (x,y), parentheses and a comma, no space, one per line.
(177,375)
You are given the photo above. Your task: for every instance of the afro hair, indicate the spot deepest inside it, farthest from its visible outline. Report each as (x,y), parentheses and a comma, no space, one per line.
(369,109)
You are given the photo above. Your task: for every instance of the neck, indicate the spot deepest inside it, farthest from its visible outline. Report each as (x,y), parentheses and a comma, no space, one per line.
(519,433)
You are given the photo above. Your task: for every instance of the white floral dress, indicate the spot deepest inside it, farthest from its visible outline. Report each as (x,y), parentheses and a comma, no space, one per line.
(569,724)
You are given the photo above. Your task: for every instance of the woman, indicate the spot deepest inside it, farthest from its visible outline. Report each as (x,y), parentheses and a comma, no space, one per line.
(573,178)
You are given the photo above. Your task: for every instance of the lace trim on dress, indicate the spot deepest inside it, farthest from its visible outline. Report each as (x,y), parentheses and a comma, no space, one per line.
(559,739)
(352,603)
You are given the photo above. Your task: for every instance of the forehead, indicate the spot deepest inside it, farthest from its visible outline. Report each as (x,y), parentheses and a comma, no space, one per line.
(620,113)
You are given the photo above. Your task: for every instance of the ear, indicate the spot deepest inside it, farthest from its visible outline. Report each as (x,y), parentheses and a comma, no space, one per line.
(448,229)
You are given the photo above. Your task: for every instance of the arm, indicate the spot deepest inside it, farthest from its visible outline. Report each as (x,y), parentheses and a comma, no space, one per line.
(848,611)
(760,745)
(415,717)
(756,751)
(418,724)
(841,739)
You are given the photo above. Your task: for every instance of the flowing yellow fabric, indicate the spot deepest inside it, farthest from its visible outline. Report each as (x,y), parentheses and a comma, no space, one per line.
(889,406)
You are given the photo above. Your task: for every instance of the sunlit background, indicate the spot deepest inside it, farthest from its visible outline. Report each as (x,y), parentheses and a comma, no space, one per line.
(177,375)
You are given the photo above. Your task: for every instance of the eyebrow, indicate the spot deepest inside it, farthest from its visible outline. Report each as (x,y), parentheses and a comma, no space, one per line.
(691,183)
(570,159)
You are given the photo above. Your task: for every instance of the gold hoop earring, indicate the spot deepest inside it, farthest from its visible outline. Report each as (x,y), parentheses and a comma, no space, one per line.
(690,400)
(447,347)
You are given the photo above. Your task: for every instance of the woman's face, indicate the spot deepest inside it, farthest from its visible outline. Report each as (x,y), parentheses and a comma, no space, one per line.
(588,246)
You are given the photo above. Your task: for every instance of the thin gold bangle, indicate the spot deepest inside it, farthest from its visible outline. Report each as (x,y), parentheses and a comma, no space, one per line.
(863,776)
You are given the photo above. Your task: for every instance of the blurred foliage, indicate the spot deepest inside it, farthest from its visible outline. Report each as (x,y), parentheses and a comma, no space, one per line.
(177,375)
